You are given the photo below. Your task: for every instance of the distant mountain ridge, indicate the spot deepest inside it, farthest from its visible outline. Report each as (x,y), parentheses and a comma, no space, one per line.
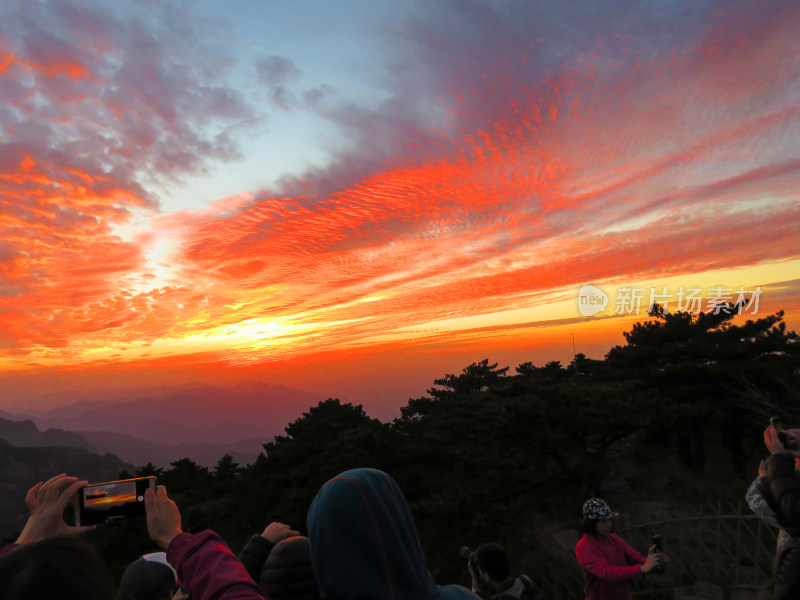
(140,452)
(201,423)
(26,434)
(189,416)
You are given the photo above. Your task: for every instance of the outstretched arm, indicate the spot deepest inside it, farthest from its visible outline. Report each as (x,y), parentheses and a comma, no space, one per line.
(205,565)
(632,557)
(595,563)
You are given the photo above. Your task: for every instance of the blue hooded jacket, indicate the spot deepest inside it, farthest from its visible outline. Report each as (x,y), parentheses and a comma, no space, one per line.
(364,545)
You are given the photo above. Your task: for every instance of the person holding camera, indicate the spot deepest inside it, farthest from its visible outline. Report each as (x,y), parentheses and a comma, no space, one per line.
(49,560)
(490,564)
(607,562)
(782,494)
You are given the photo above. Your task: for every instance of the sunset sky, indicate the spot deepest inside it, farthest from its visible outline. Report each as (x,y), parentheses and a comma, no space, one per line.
(357,197)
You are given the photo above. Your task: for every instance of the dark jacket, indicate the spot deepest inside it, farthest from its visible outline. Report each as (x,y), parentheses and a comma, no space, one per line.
(364,545)
(283,570)
(783,495)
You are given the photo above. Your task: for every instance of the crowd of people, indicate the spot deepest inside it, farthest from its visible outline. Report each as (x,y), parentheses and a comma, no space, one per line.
(362,544)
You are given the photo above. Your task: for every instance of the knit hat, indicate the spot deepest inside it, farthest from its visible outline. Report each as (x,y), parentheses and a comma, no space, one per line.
(596,508)
(150,577)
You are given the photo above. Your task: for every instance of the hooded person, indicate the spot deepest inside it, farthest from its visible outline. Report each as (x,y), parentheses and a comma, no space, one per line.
(364,545)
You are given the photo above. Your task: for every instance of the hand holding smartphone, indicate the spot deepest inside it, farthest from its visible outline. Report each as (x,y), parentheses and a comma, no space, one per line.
(113,500)
(777,425)
(656,541)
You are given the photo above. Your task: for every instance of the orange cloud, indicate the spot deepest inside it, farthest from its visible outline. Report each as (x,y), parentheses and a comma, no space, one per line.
(621,163)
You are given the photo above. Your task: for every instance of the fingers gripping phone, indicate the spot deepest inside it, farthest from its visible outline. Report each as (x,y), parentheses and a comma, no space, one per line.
(111,501)
(656,541)
(777,425)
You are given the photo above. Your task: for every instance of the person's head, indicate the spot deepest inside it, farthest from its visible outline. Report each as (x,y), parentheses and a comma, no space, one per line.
(364,543)
(148,578)
(67,568)
(597,517)
(287,572)
(493,561)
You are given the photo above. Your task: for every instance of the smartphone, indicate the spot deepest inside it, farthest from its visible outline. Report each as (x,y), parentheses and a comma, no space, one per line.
(113,500)
(777,425)
(656,541)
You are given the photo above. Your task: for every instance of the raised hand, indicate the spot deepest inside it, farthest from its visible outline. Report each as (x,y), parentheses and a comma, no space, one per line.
(275,532)
(46,503)
(775,446)
(163,517)
(655,560)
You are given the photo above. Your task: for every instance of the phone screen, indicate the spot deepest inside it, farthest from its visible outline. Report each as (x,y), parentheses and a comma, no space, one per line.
(113,500)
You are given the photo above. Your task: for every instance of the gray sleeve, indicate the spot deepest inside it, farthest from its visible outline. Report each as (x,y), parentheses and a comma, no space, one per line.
(758,505)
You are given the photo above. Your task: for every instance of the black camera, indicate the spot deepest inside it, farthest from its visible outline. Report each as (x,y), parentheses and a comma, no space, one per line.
(656,541)
(468,556)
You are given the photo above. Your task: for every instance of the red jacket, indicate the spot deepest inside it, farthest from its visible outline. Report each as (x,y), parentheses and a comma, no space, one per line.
(608,563)
(209,570)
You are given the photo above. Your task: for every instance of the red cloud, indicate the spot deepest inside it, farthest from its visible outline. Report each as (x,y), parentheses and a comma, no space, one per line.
(619,160)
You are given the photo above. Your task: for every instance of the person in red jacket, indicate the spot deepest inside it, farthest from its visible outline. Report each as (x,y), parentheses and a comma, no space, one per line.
(607,562)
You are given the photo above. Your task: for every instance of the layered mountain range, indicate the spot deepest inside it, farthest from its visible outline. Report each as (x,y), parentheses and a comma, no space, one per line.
(96,436)
(162,425)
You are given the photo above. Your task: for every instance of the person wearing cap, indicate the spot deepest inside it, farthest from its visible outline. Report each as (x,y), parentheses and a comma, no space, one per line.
(607,562)
(149,577)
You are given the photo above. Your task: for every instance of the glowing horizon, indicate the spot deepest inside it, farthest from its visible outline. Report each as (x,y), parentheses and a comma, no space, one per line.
(463,183)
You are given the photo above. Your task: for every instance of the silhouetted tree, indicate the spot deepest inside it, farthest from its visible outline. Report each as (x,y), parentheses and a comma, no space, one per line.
(477,377)
(149,470)
(226,469)
(331,437)
(710,373)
